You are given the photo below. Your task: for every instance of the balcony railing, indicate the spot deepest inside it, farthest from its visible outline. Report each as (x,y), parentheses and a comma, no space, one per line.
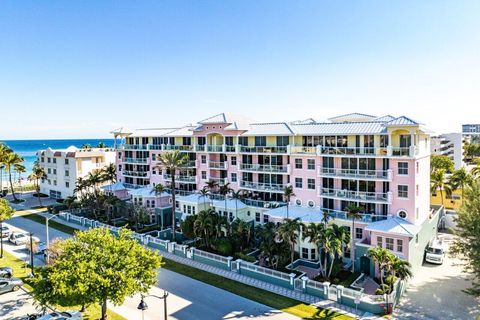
(136,174)
(135,146)
(355,173)
(181,178)
(260,186)
(263,149)
(263,168)
(303,150)
(400,151)
(353,151)
(230,149)
(191,164)
(135,160)
(220,181)
(263,204)
(222,165)
(365,217)
(378,197)
(134,186)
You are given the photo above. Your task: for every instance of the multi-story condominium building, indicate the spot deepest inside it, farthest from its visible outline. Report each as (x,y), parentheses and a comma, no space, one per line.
(451,145)
(64,167)
(378,163)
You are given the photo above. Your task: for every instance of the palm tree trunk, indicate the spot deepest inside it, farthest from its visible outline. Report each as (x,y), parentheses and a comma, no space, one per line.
(292,250)
(331,267)
(38,193)
(287,209)
(173,206)
(441,195)
(353,244)
(11,185)
(325,265)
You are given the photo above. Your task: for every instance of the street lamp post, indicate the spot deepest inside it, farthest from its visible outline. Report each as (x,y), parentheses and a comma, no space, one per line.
(143,305)
(31,253)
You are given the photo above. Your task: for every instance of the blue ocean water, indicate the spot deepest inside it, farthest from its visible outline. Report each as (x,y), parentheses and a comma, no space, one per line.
(28,148)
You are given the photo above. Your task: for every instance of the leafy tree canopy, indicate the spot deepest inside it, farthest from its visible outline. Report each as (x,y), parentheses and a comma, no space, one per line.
(441,162)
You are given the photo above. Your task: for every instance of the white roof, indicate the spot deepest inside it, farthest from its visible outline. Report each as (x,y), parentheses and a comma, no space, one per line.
(237,122)
(192,198)
(385,118)
(181,132)
(352,117)
(306,214)
(402,121)
(394,225)
(270,129)
(153,132)
(118,186)
(230,204)
(340,128)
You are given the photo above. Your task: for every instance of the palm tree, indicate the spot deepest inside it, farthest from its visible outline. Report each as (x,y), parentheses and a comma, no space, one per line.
(86,146)
(315,232)
(172,161)
(12,160)
(204,225)
(224,190)
(109,173)
(475,171)
(38,173)
(94,179)
(332,248)
(204,194)
(101,144)
(212,185)
(288,231)
(438,182)
(158,189)
(237,195)
(69,202)
(401,269)
(382,257)
(353,211)
(4,151)
(460,179)
(287,194)
(80,185)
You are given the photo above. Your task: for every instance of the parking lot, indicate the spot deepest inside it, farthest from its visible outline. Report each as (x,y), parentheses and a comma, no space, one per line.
(436,292)
(16,305)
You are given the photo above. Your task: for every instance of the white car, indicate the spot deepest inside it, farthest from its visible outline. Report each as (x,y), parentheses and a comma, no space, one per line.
(435,252)
(5,231)
(21,238)
(64,315)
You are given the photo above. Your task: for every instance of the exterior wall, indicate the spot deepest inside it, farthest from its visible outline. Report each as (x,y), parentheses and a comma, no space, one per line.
(451,145)
(452,203)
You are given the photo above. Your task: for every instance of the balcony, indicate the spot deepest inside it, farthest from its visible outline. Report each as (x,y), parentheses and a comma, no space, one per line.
(348,151)
(263,204)
(136,174)
(191,164)
(171,147)
(264,187)
(218,165)
(361,196)
(264,149)
(303,150)
(220,181)
(366,217)
(136,160)
(264,168)
(134,186)
(181,178)
(370,175)
(135,146)
(403,151)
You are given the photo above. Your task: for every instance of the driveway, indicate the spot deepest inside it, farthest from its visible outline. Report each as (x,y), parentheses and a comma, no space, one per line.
(436,292)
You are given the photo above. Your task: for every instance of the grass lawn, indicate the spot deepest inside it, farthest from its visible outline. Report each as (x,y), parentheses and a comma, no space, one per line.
(273,300)
(27,211)
(20,270)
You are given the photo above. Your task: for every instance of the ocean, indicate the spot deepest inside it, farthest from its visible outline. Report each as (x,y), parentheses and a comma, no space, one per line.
(28,148)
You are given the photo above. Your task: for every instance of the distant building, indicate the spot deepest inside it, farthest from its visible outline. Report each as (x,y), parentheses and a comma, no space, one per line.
(471,129)
(64,167)
(451,145)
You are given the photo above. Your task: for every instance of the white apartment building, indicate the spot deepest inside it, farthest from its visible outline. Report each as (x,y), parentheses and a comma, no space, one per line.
(451,145)
(64,167)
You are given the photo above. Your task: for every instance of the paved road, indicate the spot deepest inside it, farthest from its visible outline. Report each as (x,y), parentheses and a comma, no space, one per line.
(435,293)
(188,299)
(15,305)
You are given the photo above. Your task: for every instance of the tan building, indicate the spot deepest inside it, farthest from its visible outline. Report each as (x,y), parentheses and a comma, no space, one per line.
(64,167)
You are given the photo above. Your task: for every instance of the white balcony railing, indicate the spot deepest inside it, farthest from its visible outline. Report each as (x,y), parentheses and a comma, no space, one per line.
(181,178)
(222,165)
(264,149)
(136,174)
(135,160)
(384,175)
(264,168)
(361,196)
(260,186)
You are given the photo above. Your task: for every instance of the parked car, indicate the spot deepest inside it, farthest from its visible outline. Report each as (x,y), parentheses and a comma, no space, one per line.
(5,231)
(38,247)
(6,272)
(65,315)
(435,252)
(8,285)
(18,238)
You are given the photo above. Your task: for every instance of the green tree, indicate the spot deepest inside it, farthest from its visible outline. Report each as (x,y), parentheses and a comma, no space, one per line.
(353,212)
(204,225)
(12,161)
(287,194)
(109,173)
(101,144)
(460,179)
(38,173)
(224,190)
(466,245)
(95,267)
(4,151)
(204,194)
(6,212)
(86,146)
(172,161)
(159,189)
(315,232)
(383,259)
(237,195)
(289,231)
(439,182)
(438,162)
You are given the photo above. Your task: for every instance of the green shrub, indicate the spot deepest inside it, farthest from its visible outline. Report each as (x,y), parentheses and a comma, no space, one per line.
(224,247)
(244,257)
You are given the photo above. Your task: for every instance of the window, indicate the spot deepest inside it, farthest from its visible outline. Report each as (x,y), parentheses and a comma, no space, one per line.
(383,141)
(358,233)
(204,175)
(282,141)
(229,141)
(311,184)
(194,209)
(260,141)
(304,253)
(257,216)
(243,141)
(402,214)
(233,177)
(417,190)
(186,141)
(67,173)
(389,243)
(189,209)
(298,183)
(233,161)
(49,160)
(311,203)
(311,164)
(399,245)
(379,242)
(54,160)
(298,202)
(43,159)
(402,191)
(416,167)
(265,218)
(54,182)
(403,168)
(66,161)
(49,170)
(185,208)
(298,163)
(204,159)
(67,184)
(313,254)
(201,141)
(54,171)
(49,181)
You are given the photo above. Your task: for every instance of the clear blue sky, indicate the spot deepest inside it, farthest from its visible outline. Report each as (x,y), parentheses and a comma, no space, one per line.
(78,69)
